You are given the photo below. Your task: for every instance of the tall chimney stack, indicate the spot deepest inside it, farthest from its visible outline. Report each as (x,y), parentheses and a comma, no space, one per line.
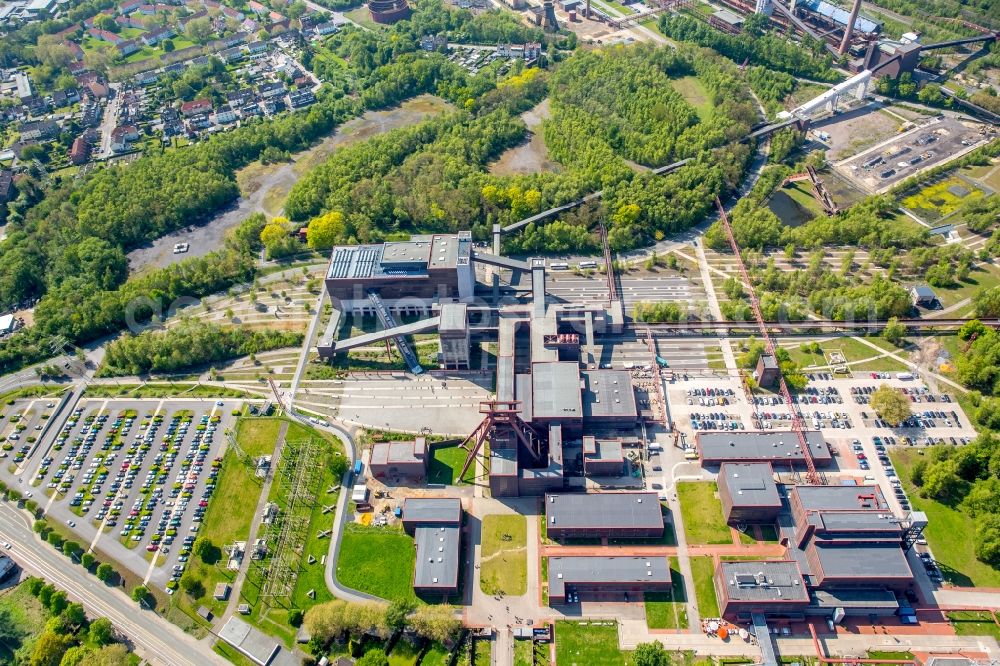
(849,31)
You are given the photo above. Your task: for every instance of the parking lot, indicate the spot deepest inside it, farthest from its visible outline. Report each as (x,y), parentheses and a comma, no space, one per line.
(924,147)
(133,478)
(22,425)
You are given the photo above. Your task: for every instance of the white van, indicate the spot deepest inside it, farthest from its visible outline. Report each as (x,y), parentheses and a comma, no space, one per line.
(904,376)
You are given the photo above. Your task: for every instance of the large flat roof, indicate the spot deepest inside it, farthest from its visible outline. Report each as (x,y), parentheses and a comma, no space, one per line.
(432,510)
(607,393)
(840,498)
(555,390)
(438,552)
(387,453)
(756,446)
(863,561)
(565,571)
(609,510)
(248,640)
(396,259)
(750,484)
(763,581)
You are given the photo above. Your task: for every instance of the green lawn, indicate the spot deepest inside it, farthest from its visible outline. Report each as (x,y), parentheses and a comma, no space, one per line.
(702,568)
(504,562)
(27,620)
(437,655)
(589,644)
(852,349)
(984,276)
(955,556)
(231,509)
(974,624)
(667,610)
(482,654)
(446,465)
(701,511)
(377,560)
(404,653)
(694,93)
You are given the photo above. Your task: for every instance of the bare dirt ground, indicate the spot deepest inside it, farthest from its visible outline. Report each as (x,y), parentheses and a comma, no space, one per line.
(856,130)
(532,155)
(265,187)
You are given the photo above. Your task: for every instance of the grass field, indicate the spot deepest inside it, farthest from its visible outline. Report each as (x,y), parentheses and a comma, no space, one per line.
(974,624)
(702,569)
(984,276)
(588,644)
(377,560)
(504,562)
(27,620)
(667,610)
(956,557)
(437,655)
(404,653)
(231,509)
(701,511)
(446,465)
(694,93)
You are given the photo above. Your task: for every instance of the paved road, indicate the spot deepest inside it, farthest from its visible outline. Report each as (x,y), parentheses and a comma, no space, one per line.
(154,638)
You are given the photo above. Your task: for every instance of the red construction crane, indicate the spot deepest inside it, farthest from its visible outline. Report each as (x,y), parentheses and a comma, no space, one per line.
(798,424)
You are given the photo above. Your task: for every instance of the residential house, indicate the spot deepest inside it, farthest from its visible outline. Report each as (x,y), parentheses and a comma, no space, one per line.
(300,98)
(233,14)
(257,47)
(75,50)
(7,189)
(128,47)
(61,98)
(272,89)
(129,6)
(257,8)
(225,115)
(39,130)
(130,21)
(327,28)
(193,17)
(154,37)
(249,25)
(147,77)
(79,153)
(433,42)
(105,36)
(122,136)
(231,55)
(275,17)
(97,89)
(250,110)
(236,39)
(196,107)
(240,98)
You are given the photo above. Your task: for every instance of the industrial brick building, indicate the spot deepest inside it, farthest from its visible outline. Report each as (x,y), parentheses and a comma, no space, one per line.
(390,460)
(436,527)
(743,588)
(607,577)
(424,267)
(748,493)
(611,515)
(780,448)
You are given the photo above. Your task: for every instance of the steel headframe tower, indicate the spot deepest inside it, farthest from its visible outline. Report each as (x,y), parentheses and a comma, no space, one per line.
(798,425)
(502,418)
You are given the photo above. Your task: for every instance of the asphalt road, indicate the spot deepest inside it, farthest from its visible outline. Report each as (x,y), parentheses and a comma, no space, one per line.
(153,638)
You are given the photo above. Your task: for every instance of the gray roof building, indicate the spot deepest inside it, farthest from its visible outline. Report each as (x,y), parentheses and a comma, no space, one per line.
(555,391)
(569,515)
(777,447)
(436,525)
(748,492)
(871,563)
(751,586)
(432,510)
(438,553)
(608,394)
(618,574)
(251,642)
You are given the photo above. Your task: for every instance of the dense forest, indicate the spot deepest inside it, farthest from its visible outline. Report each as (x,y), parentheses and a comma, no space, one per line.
(189,344)
(609,107)
(768,50)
